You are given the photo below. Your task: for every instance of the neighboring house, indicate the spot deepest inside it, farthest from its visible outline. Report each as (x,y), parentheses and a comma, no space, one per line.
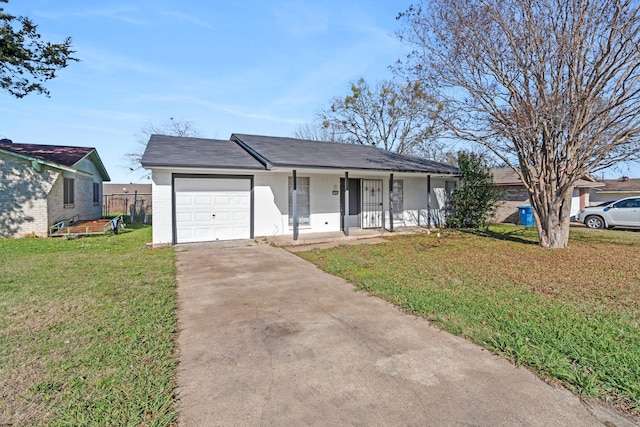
(253,186)
(43,184)
(514,194)
(614,189)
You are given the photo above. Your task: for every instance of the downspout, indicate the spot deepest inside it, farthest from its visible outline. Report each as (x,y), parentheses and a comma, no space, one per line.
(294,199)
(346,203)
(429,202)
(391,203)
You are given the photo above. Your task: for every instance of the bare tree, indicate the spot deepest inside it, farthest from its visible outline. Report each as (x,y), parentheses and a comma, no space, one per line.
(172,127)
(397,117)
(317,132)
(552,87)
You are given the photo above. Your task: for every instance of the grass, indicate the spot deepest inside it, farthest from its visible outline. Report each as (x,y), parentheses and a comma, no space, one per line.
(571,315)
(87,329)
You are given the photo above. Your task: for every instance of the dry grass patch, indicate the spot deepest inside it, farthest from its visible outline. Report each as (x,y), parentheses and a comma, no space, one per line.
(572,315)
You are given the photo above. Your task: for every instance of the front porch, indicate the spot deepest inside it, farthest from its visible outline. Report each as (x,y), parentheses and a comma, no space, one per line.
(334,238)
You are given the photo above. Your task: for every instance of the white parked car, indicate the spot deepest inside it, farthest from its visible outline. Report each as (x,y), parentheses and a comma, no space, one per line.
(620,213)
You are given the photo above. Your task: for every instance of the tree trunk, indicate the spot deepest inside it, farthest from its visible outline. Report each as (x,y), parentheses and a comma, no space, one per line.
(553,224)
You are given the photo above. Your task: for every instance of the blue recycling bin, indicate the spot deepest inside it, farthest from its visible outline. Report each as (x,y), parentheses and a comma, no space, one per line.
(526,216)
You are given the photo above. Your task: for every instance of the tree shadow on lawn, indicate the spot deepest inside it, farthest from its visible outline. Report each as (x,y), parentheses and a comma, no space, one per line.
(517,235)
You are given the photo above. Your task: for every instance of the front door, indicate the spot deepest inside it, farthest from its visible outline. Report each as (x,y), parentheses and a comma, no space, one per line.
(355,208)
(371,203)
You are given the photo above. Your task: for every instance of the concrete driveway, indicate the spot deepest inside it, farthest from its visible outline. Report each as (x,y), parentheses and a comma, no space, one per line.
(267,339)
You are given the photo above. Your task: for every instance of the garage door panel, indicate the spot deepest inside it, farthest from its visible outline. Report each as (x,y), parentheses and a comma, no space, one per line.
(212,209)
(203,200)
(223,216)
(201,217)
(184,199)
(184,217)
(240,216)
(211,184)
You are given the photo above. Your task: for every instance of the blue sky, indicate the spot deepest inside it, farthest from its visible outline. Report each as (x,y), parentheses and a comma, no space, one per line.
(254,67)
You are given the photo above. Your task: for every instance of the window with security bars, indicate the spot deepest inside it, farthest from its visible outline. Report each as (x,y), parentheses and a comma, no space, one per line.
(302,200)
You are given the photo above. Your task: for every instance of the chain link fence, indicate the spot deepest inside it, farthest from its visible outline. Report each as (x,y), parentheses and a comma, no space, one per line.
(135,208)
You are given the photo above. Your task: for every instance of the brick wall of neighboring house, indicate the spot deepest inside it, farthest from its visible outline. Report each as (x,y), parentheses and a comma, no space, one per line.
(23,197)
(83,204)
(88,208)
(507,210)
(57,210)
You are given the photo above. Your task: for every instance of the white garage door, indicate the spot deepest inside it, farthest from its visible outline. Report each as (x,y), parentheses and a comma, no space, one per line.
(210,209)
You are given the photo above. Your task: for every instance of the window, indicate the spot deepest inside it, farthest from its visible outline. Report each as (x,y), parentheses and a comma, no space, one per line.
(629,203)
(302,200)
(96,193)
(397,200)
(449,186)
(69,198)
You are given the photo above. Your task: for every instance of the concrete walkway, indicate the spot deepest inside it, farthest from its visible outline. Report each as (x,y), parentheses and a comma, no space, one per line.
(267,339)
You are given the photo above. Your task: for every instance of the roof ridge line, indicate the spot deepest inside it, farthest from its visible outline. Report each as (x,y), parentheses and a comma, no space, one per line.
(253,153)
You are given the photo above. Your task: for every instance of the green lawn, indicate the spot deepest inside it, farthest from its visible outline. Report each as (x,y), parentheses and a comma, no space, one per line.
(572,315)
(87,330)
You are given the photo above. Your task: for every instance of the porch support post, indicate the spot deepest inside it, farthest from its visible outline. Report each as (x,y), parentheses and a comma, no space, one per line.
(391,203)
(346,203)
(429,201)
(294,202)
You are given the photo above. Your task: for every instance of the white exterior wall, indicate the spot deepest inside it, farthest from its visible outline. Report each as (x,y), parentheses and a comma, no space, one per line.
(325,207)
(415,201)
(271,201)
(162,209)
(438,189)
(271,204)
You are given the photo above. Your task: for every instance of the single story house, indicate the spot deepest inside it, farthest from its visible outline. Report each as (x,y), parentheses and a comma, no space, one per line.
(252,186)
(514,194)
(614,189)
(43,184)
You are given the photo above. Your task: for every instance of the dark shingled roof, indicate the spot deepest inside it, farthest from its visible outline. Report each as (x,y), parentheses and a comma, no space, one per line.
(59,154)
(266,152)
(174,151)
(298,153)
(508,177)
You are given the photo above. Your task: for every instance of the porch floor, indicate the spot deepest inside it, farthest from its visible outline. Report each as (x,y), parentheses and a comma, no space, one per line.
(356,236)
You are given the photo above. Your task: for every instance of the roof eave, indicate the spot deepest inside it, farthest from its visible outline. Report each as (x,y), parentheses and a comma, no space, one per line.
(192,166)
(40,161)
(95,158)
(342,168)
